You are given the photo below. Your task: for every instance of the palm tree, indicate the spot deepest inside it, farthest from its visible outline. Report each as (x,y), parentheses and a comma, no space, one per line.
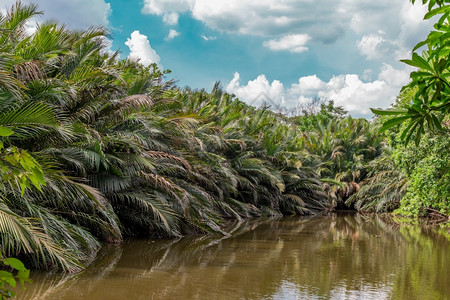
(114,149)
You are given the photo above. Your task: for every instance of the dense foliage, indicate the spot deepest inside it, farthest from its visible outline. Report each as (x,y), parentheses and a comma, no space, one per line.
(340,149)
(94,148)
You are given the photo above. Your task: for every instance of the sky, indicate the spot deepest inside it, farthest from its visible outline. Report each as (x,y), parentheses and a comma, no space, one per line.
(284,52)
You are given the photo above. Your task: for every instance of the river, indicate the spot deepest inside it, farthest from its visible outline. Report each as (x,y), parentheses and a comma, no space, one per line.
(340,256)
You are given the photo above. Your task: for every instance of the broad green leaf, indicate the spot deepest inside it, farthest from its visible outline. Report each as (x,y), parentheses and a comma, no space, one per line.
(39,175)
(5,131)
(388,112)
(436,122)
(430,4)
(419,133)
(431,39)
(15,263)
(28,160)
(416,108)
(418,61)
(23,186)
(23,276)
(444,37)
(8,278)
(436,11)
(408,128)
(418,74)
(423,43)
(429,121)
(5,274)
(412,130)
(443,18)
(11,281)
(393,122)
(34,180)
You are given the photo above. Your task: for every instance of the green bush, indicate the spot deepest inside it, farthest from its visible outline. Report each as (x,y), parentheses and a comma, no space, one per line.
(427,167)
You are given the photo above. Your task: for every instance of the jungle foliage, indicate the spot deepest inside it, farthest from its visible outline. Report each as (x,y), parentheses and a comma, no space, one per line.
(94,148)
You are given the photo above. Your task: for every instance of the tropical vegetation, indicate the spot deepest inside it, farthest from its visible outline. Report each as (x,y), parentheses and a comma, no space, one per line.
(94,148)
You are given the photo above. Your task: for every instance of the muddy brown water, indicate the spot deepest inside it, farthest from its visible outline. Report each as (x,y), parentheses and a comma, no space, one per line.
(341,256)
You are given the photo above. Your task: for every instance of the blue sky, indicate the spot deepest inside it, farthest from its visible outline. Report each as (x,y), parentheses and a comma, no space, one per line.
(288,51)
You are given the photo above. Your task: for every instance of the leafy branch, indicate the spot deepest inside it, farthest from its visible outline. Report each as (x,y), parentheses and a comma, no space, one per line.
(430,105)
(13,270)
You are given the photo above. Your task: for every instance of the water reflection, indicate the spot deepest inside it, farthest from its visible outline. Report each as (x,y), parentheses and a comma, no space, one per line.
(346,256)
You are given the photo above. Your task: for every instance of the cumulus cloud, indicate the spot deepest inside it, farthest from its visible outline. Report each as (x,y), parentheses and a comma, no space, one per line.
(347,90)
(76,14)
(172,34)
(140,49)
(294,43)
(257,91)
(368,44)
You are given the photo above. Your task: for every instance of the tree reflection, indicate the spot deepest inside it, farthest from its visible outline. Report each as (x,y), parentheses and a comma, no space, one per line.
(336,256)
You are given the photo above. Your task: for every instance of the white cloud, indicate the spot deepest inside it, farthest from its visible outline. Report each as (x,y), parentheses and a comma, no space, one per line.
(368,44)
(308,85)
(172,34)
(347,90)
(140,49)
(170,18)
(412,15)
(399,21)
(327,21)
(367,75)
(159,7)
(208,38)
(393,76)
(294,43)
(413,25)
(265,18)
(376,47)
(398,33)
(257,91)
(76,14)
